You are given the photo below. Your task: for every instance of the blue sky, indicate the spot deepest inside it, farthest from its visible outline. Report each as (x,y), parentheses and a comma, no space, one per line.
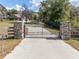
(31,4)
(75,2)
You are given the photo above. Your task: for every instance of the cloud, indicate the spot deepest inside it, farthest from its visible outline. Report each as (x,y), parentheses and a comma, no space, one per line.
(9,8)
(35,4)
(18,7)
(75,2)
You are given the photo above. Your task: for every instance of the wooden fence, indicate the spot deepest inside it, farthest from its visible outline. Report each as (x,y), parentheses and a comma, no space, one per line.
(75,32)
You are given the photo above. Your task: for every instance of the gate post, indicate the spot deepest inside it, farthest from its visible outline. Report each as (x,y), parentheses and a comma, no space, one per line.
(65,30)
(19,30)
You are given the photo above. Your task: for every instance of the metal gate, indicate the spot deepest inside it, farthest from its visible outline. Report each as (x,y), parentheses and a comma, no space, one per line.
(38,31)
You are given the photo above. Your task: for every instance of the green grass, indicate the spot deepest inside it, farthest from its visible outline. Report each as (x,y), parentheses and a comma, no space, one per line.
(76,24)
(53,31)
(74,43)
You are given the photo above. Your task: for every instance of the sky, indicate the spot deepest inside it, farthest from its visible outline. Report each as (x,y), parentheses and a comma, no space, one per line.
(31,4)
(75,2)
(17,4)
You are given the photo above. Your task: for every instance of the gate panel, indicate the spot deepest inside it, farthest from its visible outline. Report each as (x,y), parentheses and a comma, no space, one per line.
(38,31)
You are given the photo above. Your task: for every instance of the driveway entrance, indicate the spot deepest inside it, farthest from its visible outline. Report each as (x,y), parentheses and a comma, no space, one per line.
(36,46)
(38,31)
(40,48)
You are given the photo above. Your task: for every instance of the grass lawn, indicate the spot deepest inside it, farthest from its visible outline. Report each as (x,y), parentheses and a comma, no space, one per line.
(74,43)
(9,46)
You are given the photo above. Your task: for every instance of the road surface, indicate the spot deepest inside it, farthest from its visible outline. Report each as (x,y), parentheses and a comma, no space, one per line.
(33,48)
(42,48)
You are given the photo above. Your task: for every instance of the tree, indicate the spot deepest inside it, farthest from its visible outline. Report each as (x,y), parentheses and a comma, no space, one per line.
(35,17)
(2,12)
(75,16)
(11,13)
(52,12)
(26,12)
(74,13)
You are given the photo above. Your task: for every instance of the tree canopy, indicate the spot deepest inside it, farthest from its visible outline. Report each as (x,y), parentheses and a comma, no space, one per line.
(52,12)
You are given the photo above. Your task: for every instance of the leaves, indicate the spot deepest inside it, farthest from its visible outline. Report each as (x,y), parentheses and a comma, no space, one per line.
(54,11)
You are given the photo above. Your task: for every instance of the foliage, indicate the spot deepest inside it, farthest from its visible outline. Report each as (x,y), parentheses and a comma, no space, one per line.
(53,12)
(35,16)
(2,9)
(26,12)
(2,12)
(75,16)
(75,23)
(11,12)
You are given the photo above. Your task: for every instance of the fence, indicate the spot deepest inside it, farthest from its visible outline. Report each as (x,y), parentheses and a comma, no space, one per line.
(3,46)
(75,33)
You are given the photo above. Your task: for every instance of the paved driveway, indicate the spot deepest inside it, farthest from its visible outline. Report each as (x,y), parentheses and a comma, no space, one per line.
(33,48)
(41,48)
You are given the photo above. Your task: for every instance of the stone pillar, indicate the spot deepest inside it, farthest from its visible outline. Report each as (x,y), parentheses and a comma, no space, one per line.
(65,30)
(19,30)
